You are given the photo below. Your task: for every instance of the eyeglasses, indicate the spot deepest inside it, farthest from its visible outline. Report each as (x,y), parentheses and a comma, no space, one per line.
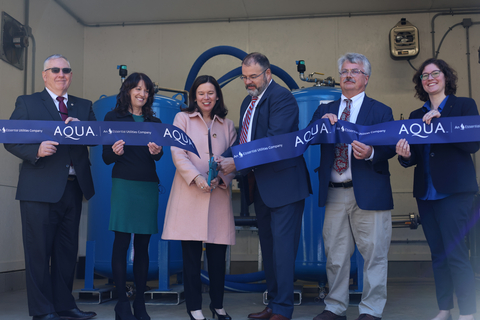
(57,70)
(252,77)
(434,74)
(353,72)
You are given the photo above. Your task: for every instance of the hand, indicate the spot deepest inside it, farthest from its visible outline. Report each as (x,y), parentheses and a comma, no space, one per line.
(214,183)
(202,184)
(332,117)
(154,148)
(427,118)
(225,165)
(360,150)
(403,149)
(118,147)
(47,148)
(70,119)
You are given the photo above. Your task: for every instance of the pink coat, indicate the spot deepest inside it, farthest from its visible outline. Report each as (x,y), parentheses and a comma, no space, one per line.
(192,214)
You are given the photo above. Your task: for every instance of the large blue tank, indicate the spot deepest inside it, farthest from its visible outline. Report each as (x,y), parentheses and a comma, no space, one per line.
(165,108)
(310,264)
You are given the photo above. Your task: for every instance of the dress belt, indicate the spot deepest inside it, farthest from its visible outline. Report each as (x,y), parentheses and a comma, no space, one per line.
(345,184)
(71,177)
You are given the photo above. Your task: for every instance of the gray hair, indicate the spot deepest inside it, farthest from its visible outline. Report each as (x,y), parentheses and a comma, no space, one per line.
(53,57)
(355,58)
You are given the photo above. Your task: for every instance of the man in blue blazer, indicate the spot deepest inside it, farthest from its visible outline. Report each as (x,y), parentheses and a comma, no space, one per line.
(53,180)
(280,187)
(354,187)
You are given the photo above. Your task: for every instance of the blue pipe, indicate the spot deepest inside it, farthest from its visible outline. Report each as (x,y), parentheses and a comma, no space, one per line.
(237,287)
(230,76)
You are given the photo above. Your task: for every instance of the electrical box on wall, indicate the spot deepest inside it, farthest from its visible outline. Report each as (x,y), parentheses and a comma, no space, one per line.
(404,42)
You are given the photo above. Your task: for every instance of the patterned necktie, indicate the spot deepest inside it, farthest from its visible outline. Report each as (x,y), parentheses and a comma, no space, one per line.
(62,108)
(246,121)
(341,149)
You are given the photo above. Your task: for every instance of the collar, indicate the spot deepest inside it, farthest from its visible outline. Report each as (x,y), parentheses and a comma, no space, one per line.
(263,92)
(427,106)
(54,96)
(355,99)
(198,114)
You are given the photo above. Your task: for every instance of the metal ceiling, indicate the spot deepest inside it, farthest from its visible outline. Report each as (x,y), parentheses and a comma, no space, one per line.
(97,13)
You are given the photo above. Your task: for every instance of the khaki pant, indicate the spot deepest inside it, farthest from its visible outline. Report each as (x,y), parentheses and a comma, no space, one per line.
(346,225)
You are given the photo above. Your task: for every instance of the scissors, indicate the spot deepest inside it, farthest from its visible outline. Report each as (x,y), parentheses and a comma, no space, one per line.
(212,165)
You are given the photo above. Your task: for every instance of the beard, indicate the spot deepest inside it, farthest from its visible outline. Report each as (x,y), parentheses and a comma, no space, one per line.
(254,90)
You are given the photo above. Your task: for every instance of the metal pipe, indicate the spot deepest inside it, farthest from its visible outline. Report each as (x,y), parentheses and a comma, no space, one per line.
(450,12)
(25,70)
(34,49)
(229,20)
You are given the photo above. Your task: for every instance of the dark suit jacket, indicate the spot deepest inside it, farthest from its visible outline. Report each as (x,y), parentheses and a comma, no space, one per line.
(451,165)
(371,179)
(44,180)
(286,181)
(137,163)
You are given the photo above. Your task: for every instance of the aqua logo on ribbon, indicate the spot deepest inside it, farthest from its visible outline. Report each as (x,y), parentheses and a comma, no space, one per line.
(422,130)
(95,133)
(290,145)
(73,132)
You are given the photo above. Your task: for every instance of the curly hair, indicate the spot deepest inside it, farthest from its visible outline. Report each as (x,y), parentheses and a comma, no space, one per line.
(449,73)
(124,100)
(219,109)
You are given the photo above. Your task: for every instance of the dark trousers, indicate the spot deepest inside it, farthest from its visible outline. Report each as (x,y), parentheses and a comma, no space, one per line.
(50,239)
(192,255)
(445,223)
(279,232)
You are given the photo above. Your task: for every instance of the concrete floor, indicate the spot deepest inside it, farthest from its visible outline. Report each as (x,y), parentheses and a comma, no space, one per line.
(407,299)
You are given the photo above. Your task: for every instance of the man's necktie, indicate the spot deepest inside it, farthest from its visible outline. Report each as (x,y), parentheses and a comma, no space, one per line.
(62,108)
(246,121)
(341,149)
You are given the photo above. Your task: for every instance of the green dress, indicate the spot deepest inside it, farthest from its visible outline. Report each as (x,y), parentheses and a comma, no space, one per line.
(134,204)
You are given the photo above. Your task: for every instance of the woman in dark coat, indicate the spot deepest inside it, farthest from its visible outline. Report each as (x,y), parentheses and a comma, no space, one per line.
(444,186)
(134,200)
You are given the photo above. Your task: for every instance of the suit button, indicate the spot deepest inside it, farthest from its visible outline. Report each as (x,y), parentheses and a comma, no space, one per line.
(432,154)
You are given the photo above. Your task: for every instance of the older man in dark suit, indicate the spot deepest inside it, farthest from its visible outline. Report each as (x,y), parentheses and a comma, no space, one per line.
(53,180)
(355,189)
(280,187)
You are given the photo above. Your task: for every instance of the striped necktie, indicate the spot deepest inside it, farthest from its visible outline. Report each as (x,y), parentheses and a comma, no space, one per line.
(246,121)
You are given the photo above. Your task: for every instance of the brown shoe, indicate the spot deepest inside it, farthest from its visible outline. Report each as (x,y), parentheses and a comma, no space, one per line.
(278,317)
(328,315)
(265,314)
(365,316)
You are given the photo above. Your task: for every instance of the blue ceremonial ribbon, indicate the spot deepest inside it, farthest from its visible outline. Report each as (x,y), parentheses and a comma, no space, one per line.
(294,144)
(95,133)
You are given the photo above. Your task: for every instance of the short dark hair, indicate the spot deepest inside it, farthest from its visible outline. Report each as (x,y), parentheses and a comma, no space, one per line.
(450,78)
(258,58)
(124,99)
(219,109)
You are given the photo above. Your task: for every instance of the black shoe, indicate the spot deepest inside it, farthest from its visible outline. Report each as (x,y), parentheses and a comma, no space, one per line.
(123,311)
(219,316)
(76,314)
(48,316)
(139,310)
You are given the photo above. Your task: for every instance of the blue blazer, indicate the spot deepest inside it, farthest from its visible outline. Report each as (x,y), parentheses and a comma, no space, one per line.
(281,182)
(451,165)
(44,180)
(371,179)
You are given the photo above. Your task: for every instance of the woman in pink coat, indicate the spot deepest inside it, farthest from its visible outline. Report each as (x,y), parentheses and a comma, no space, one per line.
(199,213)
